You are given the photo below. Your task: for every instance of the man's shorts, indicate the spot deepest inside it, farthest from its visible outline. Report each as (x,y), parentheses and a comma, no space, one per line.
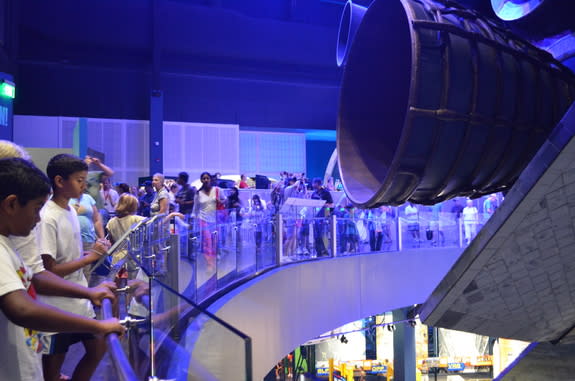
(60,342)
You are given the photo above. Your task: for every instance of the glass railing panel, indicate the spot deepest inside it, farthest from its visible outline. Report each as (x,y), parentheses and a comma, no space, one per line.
(289,239)
(236,249)
(190,248)
(256,245)
(214,256)
(380,229)
(201,258)
(410,232)
(117,363)
(305,238)
(169,337)
(446,230)
(152,243)
(297,241)
(352,236)
(265,235)
(363,232)
(228,246)
(249,233)
(190,344)
(430,230)
(322,237)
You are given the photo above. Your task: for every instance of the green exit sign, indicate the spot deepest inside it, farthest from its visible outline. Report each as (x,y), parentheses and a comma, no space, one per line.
(7,89)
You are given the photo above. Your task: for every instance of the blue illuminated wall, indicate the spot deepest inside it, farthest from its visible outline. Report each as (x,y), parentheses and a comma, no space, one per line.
(269,153)
(318,153)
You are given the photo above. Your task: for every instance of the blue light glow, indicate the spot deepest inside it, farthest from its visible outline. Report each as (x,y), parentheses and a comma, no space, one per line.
(510,10)
(323,135)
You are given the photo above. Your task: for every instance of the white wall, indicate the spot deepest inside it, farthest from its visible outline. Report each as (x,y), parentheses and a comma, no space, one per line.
(193,147)
(124,142)
(199,147)
(190,147)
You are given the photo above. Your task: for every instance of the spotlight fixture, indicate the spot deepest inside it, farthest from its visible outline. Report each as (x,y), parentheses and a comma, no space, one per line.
(412,323)
(391,327)
(343,339)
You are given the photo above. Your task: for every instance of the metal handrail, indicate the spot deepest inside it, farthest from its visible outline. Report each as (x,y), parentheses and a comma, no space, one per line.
(118,244)
(123,368)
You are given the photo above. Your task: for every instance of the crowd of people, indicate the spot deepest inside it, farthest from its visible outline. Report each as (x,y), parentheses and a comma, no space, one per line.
(360,230)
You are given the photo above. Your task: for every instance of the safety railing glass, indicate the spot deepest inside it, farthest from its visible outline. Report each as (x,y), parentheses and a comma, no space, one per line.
(187,343)
(165,329)
(218,254)
(428,230)
(192,260)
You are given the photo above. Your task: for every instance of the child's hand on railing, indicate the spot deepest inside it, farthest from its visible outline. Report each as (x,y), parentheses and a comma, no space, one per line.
(97,251)
(111,326)
(139,288)
(102,291)
(105,242)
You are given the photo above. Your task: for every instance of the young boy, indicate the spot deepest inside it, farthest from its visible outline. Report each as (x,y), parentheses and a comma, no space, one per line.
(60,246)
(23,193)
(44,281)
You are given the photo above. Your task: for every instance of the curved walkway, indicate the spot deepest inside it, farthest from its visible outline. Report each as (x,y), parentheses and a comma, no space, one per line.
(292,304)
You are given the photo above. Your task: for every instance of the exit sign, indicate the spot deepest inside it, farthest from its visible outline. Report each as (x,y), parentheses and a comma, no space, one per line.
(7,89)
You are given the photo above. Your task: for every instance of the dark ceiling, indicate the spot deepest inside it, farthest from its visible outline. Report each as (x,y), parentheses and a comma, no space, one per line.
(258,63)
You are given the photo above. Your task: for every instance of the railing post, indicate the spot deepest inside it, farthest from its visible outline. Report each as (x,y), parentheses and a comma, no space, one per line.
(193,243)
(216,249)
(399,235)
(461,229)
(279,238)
(333,235)
(396,226)
(152,333)
(172,280)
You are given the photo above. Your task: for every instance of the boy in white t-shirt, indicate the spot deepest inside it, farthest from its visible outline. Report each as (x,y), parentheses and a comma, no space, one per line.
(60,245)
(27,248)
(23,193)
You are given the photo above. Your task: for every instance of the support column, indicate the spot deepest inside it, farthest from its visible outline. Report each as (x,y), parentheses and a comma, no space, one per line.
(403,348)
(156,132)
(9,22)
(7,93)
(80,141)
